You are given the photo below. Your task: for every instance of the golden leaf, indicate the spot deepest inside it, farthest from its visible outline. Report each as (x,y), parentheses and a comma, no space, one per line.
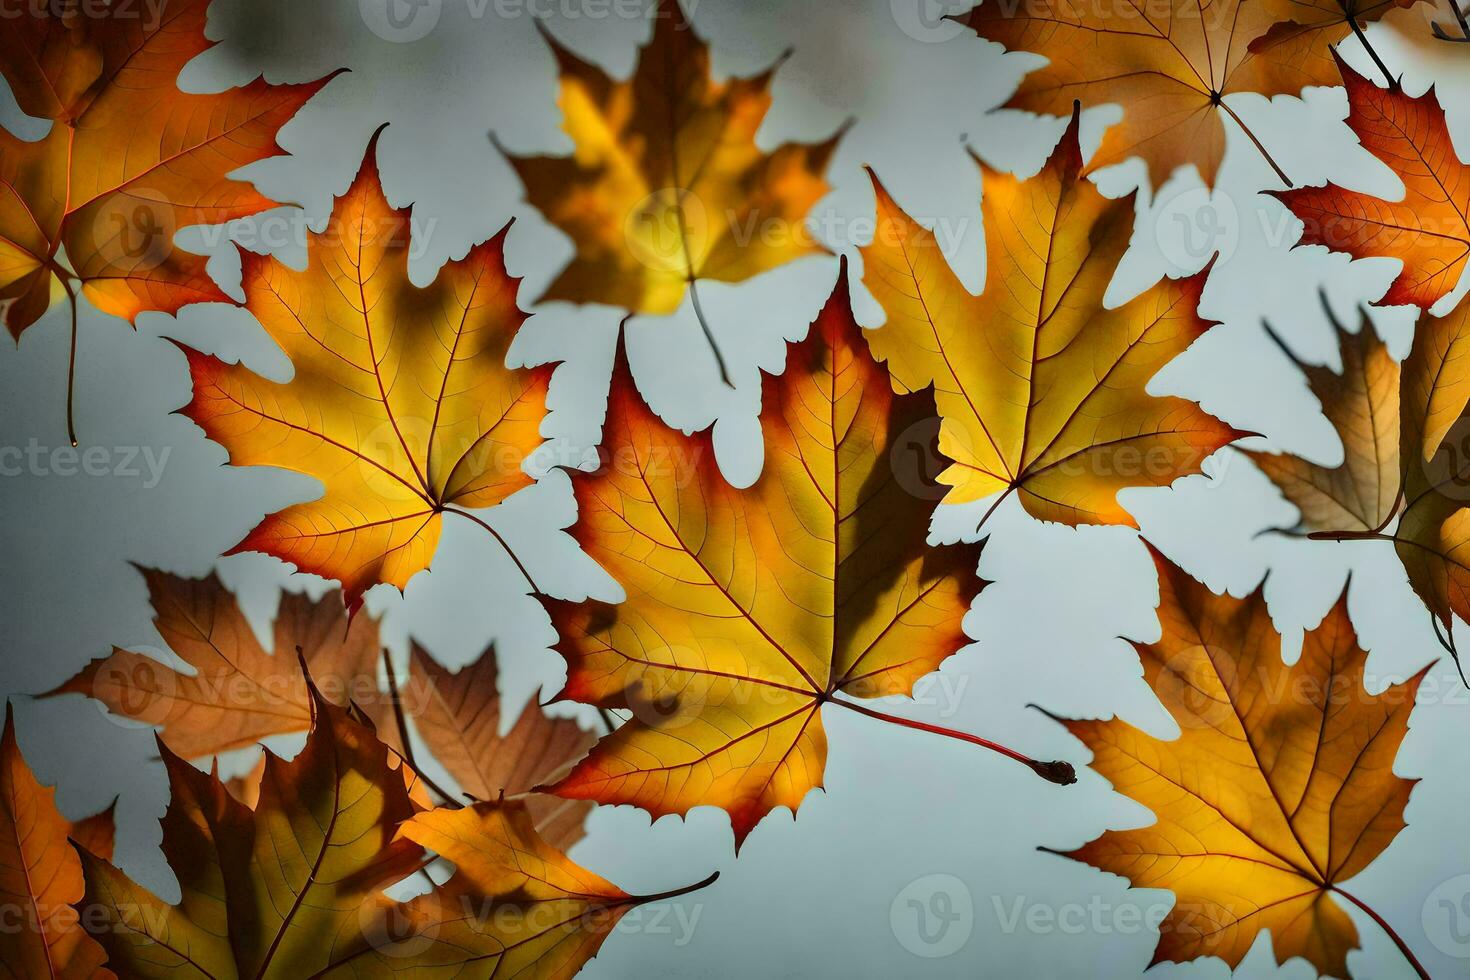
(401,403)
(666,184)
(1040,387)
(746,612)
(1279,788)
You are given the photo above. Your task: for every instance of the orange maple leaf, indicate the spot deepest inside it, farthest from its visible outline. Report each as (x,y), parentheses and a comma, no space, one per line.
(1041,388)
(40,876)
(1279,788)
(746,612)
(1173,66)
(401,403)
(236,693)
(129,160)
(1429,228)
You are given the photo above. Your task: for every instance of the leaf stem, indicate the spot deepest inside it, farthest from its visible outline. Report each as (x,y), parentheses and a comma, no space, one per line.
(1382,924)
(709,335)
(1060,773)
(993,507)
(1350,536)
(403,737)
(1259,145)
(504,546)
(1363,40)
(71,363)
(675,892)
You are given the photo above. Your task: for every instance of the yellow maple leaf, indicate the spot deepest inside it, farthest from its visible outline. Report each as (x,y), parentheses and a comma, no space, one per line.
(401,402)
(1040,388)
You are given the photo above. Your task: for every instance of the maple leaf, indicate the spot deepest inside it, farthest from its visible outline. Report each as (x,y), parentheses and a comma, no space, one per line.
(1041,389)
(1172,66)
(401,403)
(40,876)
(516,906)
(1279,788)
(746,612)
(457,714)
(288,889)
(293,886)
(1424,465)
(1362,405)
(237,693)
(1429,228)
(129,160)
(667,185)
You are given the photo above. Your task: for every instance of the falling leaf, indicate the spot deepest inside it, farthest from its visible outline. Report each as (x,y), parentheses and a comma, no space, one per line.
(235,693)
(1172,66)
(1041,388)
(1279,788)
(1362,405)
(457,714)
(401,403)
(747,611)
(291,888)
(129,160)
(667,184)
(1428,229)
(516,906)
(40,877)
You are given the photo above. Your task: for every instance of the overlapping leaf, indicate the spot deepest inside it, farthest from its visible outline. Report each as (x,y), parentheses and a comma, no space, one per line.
(1428,229)
(1171,65)
(666,184)
(1041,388)
(1279,788)
(289,889)
(401,403)
(293,887)
(1424,450)
(1362,403)
(129,160)
(516,906)
(746,611)
(40,876)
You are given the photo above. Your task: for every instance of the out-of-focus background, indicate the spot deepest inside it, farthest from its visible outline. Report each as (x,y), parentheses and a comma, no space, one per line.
(920,858)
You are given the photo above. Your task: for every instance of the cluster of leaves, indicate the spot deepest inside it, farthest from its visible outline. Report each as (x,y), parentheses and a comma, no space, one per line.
(748,611)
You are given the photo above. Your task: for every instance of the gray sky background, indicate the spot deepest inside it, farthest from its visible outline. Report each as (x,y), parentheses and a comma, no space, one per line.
(826,895)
